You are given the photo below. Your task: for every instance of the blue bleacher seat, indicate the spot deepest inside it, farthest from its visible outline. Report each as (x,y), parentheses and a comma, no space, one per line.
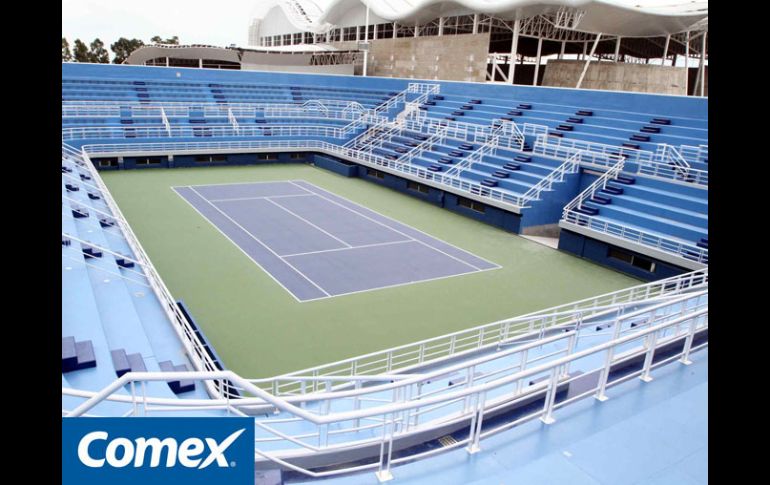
(180,386)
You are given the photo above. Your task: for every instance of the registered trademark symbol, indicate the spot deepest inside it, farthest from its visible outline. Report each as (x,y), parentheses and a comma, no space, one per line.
(232,463)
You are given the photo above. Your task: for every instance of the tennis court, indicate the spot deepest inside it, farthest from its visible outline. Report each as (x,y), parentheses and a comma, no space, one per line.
(318,245)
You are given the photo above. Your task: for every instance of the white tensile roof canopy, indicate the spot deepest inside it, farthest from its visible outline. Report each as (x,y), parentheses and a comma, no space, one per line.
(627,18)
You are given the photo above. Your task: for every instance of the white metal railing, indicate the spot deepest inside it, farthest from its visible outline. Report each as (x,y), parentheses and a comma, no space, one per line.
(692,154)
(670,245)
(599,184)
(197,353)
(690,176)
(165,121)
(404,357)
(203,131)
(233,121)
(564,147)
(377,415)
(570,166)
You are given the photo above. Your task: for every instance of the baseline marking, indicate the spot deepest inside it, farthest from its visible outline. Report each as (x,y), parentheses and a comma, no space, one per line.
(261,243)
(263,197)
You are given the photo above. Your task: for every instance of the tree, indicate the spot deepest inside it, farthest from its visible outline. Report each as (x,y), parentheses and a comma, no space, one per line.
(66,55)
(98,53)
(123,48)
(174,40)
(81,53)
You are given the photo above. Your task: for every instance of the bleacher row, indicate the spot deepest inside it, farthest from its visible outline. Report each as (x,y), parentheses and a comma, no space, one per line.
(111,321)
(656,206)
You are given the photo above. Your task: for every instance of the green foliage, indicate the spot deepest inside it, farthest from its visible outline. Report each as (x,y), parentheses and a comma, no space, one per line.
(66,55)
(123,48)
(158,40)
(81,52)
(98,53)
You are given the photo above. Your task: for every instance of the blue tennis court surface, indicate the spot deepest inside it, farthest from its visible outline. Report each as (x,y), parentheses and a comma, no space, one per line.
(317,244)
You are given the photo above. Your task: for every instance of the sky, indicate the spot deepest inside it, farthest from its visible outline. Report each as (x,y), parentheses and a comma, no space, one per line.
(220,23)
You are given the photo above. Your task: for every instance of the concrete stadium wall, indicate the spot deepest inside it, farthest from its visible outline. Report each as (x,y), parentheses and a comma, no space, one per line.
(644,78)
(449,57)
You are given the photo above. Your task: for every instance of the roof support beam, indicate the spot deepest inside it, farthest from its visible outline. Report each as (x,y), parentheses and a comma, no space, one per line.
(665,50)
(514,49)
(537,61)
(617,48)
(588,61)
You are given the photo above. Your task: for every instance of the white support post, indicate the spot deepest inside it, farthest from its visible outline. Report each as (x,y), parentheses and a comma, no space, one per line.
(440,26)
(200,63)
(617,48)
(686,64)
(651,340)
(537,61)
(665,50)
(416,29)
(563,47)
(395,29)
(702,72)
(358,33)
(366,39)
(550,397)
(166,61)
(588,61)
(585,50)
(475,23)
(514,49)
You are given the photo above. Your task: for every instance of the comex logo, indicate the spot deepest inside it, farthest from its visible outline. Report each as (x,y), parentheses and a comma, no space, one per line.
(121,452)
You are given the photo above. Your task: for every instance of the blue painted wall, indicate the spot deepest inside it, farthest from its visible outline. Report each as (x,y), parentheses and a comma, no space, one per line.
(598,251)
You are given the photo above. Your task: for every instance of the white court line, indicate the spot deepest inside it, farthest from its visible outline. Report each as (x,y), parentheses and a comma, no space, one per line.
(347,249)
(393,220)
(237,245)
(309,223)
(244,183)
(263,197)
(402,284)
(260,242)
(405,235)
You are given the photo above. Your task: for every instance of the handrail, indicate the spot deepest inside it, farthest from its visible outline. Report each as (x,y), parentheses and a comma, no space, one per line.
(399,415)
(165,121)
(233,121)
(599,184)
(194,348)
(571,165)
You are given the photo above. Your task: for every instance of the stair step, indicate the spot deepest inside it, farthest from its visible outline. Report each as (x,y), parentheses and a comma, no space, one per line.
(180,386)
(435,168)
(105,222)
(475,101)
(574,120)
(522,158)
(556,134)
(625,179)
(136,362)
(489,183)
(71,188)
(660,121)
(500,174)
(124,263)
(466,107)
(466,146)
(584,112)
(565,127)
(89,253)
(79,213)
(458,113)
(429,103)
(631,145)
(438,97)
(524,106)
(512,166)
(86,358)
(450,118)
(600,199)
(612,190)
(514,112)
(650,129)
(703,243)
(93,196)
(456,153)
(446,160)
(69,356)
(639,138)
(589,211)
